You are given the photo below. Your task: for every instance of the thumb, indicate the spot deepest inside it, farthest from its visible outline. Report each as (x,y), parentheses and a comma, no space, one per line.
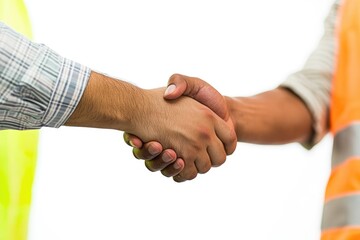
(177,86)
(199,90)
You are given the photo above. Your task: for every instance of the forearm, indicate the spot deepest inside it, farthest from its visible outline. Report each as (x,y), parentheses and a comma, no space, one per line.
(108,103)
(273,117)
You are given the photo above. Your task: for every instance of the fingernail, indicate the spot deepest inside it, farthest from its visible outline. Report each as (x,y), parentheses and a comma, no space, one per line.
(170,89)
(131,143)
(177,165)
(153,150)
(166,157)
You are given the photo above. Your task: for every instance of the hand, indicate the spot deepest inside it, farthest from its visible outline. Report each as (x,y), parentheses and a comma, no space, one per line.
(152,152)
(195,132)
(156,159)
(202,140)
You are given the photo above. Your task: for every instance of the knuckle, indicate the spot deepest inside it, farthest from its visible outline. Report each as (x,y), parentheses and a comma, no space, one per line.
(232,144)
(191,175)
(175,76)
(220,161)
(205,169)
(203,166)
(178,178)
(204,133)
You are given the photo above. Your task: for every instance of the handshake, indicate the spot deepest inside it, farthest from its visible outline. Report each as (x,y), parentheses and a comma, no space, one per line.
(198,134)
(189,127)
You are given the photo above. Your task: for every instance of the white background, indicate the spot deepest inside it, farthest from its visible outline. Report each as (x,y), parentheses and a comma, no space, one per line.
(89,186)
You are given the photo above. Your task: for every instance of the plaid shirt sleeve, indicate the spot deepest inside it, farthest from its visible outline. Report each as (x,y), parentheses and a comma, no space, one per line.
(38,87)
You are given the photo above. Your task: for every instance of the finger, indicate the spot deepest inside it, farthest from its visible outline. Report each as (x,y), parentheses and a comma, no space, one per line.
(199,90)
(132,140)
(166,158)
(188,173)
(217,153)
(174,168)
(227,135)
(149,151)
(178,178)
(184,85)
(177,86)
(203,162)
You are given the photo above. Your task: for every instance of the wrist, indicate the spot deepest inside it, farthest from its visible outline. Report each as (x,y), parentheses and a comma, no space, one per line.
(236,109)
(108,103)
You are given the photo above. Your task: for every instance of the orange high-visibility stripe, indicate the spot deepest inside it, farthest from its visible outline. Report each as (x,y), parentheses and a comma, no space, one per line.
(341,217)
(344,179)
(345,107)
(341,234)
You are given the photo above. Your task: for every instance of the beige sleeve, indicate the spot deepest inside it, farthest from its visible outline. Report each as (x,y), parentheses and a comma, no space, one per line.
(313,83)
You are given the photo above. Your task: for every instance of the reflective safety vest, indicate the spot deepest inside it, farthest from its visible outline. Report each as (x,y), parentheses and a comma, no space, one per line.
(341,215)
(18,151)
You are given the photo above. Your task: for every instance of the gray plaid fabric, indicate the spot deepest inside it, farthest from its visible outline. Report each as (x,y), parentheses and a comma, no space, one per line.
(38,87)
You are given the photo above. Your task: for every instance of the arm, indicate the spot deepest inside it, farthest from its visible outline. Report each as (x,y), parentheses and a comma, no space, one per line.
(257,119)
(40,88)
(273,117)
(199,140)
(278,116)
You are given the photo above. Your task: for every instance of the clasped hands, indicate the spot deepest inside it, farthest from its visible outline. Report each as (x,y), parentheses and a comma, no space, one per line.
(212,132)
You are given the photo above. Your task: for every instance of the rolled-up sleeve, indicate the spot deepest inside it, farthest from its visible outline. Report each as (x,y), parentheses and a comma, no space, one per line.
(313,83)
(38,87)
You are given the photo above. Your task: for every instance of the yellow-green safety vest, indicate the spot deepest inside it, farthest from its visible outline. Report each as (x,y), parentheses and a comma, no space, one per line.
(18,150)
